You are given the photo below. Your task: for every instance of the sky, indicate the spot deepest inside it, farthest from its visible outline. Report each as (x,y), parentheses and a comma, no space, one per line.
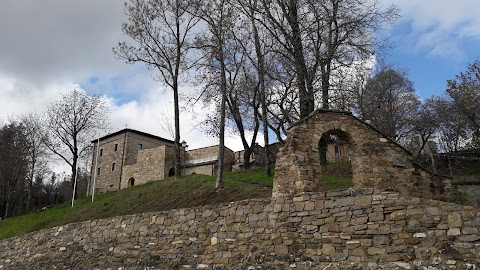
(49,47)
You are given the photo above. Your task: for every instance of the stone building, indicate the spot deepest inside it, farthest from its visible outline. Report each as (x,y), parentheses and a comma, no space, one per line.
(130,157)
(378,162)
(257,156)
(205,160)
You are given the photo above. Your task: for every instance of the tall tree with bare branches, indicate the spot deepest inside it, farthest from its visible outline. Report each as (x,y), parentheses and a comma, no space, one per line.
(162,32)
(218,15)
(71,123)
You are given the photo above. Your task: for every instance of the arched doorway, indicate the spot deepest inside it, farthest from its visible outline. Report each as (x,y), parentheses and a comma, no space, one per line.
(334,148)
(171,172)
(131,182)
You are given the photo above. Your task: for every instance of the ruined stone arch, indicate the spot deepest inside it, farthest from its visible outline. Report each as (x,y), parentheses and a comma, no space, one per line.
(377,161)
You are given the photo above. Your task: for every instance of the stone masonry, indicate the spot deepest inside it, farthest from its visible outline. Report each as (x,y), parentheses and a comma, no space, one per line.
(377,161)
(351,229)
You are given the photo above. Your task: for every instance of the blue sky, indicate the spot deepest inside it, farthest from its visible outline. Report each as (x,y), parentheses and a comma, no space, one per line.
(50,46)
(435,40)
(427,70)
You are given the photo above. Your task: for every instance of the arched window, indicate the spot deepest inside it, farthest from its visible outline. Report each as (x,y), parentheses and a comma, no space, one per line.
(131,182)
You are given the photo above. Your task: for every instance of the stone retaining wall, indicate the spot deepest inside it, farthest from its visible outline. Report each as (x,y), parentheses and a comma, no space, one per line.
(352,229)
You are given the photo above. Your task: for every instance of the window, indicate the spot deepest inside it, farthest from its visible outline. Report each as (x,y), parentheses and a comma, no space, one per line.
(140,146)
(113,166)
(116,147)
(101,152)
(98,171)
(337,151)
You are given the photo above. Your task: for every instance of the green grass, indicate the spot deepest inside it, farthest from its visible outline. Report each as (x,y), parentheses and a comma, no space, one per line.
(166,194)
(336,175)
(335,182)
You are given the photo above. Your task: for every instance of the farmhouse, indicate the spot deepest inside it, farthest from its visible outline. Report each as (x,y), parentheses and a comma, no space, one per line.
(130,157)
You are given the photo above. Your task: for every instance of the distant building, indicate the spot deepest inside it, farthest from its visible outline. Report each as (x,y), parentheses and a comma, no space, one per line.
(130,157)
(257,156)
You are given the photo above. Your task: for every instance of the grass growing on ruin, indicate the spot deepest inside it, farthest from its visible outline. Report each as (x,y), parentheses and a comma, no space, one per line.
(188,191)
(335,182)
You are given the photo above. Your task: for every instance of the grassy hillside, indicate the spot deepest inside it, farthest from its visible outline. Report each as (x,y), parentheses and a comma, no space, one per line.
(188,191)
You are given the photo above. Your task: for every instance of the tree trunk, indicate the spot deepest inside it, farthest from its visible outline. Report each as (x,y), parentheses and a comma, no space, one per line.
(177,131)
(263,96)
(7,203)
(306,106)
(74,173)
(325,86)
(29,191)
(246,158)
(221,150)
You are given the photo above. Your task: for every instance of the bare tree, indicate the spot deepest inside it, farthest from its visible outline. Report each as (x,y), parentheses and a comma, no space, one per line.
(71,123)
(464,96)
(218,15)
(13,167)
(424,125)
(389,102)
(316,36)
(161,31)
(37,150)
(256,37)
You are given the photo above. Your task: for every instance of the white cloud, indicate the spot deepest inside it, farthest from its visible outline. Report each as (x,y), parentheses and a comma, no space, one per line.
(21,97)
(156,105)
(438,27)
(56,39)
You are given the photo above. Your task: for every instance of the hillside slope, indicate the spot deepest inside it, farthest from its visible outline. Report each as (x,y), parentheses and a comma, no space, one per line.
(188,191)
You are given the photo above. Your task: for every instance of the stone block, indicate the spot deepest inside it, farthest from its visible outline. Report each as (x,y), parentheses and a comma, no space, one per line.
(454,219)
(398,215)
(468,238)
(375,216)
(345,202)
(320,204)
(357,252)
(309,206)
(453,231)
(375,251)
(469,230)
(328,249)
(381,240)
(363,201)
(433,211)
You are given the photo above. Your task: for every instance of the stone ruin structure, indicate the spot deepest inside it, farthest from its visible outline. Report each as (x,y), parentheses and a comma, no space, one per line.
(378,162)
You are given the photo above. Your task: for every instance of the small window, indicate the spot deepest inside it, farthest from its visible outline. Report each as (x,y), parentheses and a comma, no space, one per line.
(101,151)
(113,166)
(116,147)
(140,146)
(98,171)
